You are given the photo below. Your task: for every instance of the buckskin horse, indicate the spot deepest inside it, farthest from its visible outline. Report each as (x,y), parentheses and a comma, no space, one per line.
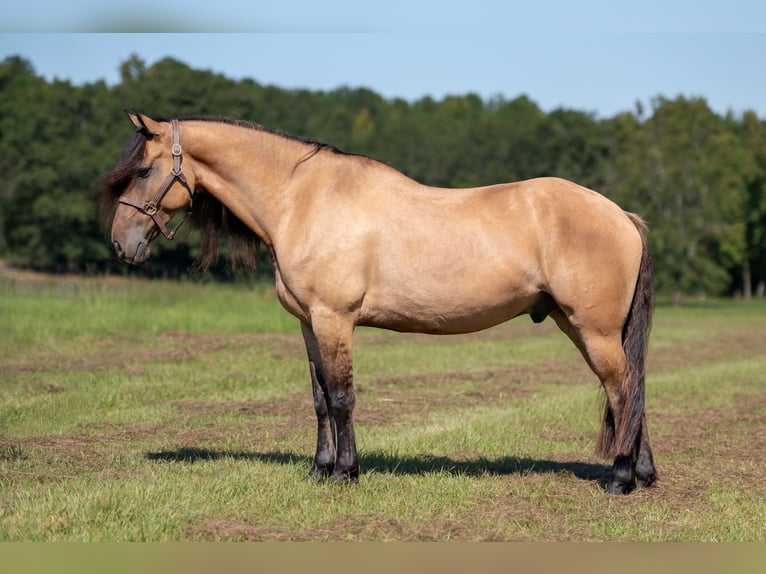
(355,242)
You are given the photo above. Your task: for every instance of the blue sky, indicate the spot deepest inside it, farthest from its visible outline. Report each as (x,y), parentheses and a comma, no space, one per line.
(592,55)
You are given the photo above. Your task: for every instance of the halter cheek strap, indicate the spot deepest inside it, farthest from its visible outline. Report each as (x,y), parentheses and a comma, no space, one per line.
(151,208)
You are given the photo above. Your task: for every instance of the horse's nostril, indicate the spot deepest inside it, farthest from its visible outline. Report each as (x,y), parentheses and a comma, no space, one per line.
(117,247)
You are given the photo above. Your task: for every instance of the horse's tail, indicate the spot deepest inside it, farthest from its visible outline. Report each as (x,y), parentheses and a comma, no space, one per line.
(635,342)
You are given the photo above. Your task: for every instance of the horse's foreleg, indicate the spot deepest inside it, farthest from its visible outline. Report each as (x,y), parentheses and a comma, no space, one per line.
(324,459)
(334,397)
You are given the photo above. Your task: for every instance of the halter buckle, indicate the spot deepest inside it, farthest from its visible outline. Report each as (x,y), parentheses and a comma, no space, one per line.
(150,208)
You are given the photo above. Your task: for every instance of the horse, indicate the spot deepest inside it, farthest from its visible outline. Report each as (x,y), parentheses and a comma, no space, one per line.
(355,242)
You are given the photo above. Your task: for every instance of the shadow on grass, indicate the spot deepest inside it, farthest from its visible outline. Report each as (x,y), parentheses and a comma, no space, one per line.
(378,462)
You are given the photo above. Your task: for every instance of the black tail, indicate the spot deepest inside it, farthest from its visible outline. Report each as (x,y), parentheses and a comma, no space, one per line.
(635,342)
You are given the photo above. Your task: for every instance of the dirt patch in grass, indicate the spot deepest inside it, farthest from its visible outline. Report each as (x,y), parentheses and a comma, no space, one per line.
(132,354)
(288,405)
(682,354)
(345,529)
(54,458)
(399,399)
(396,400)
(702,446)
(101,433)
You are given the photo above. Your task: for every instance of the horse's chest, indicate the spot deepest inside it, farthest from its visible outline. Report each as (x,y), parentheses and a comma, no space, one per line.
(287,298)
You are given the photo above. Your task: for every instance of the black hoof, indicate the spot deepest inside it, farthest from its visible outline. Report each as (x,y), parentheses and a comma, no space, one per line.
(646,475)
(616,487)
(623,479)
(645,481)
(320,473)
(351,477)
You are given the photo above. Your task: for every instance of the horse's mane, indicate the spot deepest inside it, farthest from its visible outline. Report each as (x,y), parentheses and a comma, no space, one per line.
(315,144)
(114,182)
(216,223)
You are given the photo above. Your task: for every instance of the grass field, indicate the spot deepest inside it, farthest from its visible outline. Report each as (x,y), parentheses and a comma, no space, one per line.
(157,411)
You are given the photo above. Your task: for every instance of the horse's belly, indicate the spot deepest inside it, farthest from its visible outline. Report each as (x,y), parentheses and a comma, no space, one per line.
(445,316)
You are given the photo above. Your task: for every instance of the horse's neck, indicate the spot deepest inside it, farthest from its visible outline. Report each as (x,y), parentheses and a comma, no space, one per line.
(247,170)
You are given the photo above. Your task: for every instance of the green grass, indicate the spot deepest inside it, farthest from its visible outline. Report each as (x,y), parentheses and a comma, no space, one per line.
(133,410)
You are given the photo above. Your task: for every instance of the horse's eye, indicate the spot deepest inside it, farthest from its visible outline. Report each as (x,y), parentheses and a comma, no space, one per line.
(144,172)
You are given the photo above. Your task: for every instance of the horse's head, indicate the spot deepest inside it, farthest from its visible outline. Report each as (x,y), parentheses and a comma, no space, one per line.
(147,189)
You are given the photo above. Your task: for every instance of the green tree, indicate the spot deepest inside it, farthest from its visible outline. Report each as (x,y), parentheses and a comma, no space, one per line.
(683,170)
(49,147)
(753,134)
(575,147)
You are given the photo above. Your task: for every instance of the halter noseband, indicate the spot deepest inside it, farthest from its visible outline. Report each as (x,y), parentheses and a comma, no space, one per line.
(151,208)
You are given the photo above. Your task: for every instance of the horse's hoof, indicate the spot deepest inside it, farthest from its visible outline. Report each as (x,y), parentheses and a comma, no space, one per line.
(646,475)
(623,477)
(320,474)
(646,481)
(344,477)
(615,487)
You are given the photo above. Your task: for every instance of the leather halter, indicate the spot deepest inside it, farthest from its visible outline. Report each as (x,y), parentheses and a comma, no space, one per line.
(151,208)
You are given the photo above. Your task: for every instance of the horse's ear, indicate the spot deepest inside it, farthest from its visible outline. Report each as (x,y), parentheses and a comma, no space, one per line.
(143,124)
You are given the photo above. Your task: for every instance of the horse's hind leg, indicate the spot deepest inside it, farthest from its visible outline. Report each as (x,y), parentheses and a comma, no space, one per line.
(602,349)
(607,359)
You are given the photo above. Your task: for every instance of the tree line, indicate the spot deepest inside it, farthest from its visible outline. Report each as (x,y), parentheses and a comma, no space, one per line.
(697,178)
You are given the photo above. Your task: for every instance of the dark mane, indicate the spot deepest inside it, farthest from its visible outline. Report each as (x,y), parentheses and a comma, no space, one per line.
(218,227)
(316,144)
(114,182)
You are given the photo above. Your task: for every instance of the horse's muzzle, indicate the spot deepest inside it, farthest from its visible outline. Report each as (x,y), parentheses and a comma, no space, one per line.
(132,256)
